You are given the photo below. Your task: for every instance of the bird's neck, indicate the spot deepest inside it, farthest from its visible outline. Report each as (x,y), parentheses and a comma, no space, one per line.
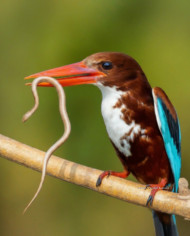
(118,108)
(136,88)
(130,81)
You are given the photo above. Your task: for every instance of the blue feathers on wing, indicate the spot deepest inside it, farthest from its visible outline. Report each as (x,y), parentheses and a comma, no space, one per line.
(170,129)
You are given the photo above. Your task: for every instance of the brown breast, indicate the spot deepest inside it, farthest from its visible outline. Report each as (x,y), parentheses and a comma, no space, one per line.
(148,161)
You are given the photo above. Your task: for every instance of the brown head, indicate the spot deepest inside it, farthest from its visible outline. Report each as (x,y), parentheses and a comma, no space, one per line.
(108,68)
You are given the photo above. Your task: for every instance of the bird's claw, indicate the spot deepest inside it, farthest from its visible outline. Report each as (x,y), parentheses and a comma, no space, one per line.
(107,173)
(147,186)
(155,188)
(100,178)
(150,200)
(99,181)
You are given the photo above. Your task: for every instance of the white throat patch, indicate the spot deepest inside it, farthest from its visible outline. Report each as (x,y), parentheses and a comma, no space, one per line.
(113,118)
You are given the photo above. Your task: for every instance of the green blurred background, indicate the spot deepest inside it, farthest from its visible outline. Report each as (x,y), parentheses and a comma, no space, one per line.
(39,35)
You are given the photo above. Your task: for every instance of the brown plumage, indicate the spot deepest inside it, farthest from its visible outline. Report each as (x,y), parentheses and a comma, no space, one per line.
(148,162)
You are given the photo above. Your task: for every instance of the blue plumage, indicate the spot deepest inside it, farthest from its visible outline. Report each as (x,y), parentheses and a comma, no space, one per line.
(170,142)
(168,124)
(169,127)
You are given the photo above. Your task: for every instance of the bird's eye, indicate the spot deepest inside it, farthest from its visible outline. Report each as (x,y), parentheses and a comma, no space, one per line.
(107,65)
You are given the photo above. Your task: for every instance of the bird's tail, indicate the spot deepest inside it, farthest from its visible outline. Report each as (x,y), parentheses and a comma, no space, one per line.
(165,225)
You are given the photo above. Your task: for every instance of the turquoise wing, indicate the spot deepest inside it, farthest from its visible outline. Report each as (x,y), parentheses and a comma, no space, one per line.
(168,124)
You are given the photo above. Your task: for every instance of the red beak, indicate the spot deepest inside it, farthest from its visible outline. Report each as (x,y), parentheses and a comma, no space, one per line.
(74,74)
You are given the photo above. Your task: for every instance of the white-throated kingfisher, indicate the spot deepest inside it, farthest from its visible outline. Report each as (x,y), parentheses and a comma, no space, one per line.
(141,122)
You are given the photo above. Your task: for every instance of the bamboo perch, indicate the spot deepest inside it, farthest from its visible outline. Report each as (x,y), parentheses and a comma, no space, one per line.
(122,189)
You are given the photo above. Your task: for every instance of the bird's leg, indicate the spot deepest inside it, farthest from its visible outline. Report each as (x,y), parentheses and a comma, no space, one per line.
(155,188)
(123,174)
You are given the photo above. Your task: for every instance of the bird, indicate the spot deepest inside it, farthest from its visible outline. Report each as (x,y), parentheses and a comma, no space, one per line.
(141,123)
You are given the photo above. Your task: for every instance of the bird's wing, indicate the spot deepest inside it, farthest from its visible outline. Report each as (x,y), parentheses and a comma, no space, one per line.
(168,124)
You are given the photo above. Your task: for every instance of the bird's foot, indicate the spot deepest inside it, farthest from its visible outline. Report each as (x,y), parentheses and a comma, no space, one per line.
(123,174)
(155,188)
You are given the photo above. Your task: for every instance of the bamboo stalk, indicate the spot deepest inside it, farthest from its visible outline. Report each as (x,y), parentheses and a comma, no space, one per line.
(122,189)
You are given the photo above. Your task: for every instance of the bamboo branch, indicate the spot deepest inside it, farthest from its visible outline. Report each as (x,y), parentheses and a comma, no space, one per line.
(164,201)
(122,189)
